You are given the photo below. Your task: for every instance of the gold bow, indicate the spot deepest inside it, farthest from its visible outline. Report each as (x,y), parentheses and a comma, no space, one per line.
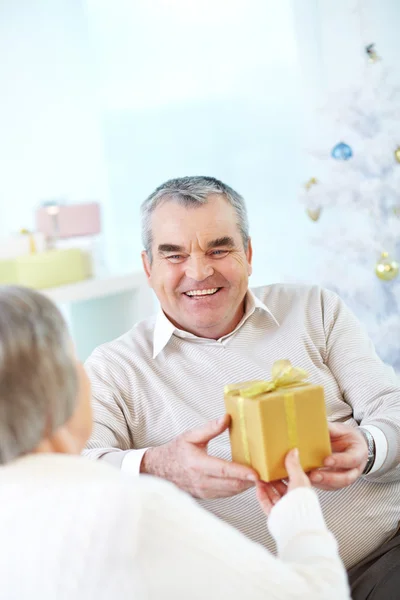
(283,375)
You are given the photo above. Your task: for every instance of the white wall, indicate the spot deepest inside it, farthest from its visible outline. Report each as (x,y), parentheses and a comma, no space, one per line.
(105,100)
(203,88)
(50,141)
(229,90)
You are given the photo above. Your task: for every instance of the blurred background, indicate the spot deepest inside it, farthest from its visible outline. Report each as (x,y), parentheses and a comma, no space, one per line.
(102,101)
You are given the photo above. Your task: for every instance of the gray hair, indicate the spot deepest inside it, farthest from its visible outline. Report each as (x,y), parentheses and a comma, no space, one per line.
(191,192)
(38,377)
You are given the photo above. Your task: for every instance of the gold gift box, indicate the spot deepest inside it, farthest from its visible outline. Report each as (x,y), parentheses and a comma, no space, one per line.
(269,418)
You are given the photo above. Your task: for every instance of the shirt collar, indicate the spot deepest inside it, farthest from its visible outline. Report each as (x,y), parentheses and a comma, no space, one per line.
(164,329)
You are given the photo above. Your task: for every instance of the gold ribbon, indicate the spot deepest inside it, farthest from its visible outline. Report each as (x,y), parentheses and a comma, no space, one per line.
(290,412)
(283,375)
(243,431)
(32,243)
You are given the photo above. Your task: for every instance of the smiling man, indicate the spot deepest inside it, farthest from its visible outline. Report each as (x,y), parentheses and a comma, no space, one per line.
(199,276)
(158,390)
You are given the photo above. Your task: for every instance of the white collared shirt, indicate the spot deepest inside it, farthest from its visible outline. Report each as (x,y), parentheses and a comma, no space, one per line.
(156,382)
(164,329)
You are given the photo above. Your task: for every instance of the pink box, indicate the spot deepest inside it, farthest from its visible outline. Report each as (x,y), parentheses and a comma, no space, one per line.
(70,220)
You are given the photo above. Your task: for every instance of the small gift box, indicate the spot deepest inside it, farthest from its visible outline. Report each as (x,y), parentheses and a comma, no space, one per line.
(91,244)
(46,269)
(269,418)
(69,220)
(8,272)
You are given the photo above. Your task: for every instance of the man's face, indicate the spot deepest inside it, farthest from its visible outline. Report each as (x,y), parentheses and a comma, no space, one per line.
(200,268)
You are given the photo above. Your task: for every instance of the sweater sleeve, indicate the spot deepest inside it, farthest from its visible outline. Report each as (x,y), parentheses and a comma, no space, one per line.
(186,552)
(369,386)
(111,439)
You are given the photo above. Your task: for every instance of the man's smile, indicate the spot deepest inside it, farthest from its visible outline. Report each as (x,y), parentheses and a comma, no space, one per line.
(198,293)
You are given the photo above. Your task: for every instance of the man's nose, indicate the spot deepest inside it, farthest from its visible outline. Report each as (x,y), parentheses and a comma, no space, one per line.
(199,268)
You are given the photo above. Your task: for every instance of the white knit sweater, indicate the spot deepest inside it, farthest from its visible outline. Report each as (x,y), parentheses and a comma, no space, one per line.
(75,529)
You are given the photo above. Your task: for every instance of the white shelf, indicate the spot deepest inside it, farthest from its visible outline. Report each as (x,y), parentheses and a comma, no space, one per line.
(98,287)
(103,308)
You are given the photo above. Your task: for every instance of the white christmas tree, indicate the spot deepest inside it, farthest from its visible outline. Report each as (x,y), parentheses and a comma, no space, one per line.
(354,195)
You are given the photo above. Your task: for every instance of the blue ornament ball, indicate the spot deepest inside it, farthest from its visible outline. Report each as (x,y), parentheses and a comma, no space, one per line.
(342,151)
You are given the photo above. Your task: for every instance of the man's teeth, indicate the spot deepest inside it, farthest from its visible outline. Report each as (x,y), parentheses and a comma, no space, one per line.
(202,292)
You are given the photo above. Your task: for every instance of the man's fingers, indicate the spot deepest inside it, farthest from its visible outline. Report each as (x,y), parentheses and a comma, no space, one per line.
(346,460)
(273,490)
(217,467)
(207,432)
(334,480)
(263,498)
(215,487)
(336,430)
(267,496)
(280,487)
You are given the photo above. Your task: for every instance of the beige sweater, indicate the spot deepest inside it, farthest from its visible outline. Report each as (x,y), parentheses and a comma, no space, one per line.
(156,382)
(74,529)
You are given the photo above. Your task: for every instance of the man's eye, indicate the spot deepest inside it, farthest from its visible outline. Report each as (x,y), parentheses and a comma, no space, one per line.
(175,258)
(219,253)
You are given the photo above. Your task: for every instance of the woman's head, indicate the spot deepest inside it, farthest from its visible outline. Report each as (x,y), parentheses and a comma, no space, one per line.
(44,392)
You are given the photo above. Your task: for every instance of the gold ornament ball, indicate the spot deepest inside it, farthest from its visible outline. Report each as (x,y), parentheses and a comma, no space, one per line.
(314,213)
(397,154)
(386,268)
(312,181)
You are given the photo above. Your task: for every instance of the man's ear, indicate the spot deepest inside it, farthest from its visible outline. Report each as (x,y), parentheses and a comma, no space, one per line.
(249,256)
(146,265)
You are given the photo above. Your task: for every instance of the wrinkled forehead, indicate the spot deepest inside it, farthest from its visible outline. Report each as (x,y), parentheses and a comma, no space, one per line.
(174,223)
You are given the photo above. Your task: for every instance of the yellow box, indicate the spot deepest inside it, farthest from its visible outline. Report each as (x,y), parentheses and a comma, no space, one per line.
(46,269)
(269,418)
(8,271)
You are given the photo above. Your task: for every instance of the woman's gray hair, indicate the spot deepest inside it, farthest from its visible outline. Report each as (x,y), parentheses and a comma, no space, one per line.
(38,377)
(191,192)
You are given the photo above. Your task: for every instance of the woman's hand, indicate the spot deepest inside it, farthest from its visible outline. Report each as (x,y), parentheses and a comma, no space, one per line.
(268,494)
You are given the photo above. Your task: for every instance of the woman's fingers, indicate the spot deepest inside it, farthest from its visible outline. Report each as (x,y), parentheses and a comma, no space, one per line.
(297,477)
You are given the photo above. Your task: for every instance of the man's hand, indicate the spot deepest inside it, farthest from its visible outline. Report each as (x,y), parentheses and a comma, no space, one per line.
(347,462)
(185,462)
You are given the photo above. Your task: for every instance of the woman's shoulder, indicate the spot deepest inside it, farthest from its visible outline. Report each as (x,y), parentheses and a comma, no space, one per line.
(67,475)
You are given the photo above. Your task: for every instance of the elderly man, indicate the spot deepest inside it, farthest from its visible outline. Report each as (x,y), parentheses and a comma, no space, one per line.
(157,391)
